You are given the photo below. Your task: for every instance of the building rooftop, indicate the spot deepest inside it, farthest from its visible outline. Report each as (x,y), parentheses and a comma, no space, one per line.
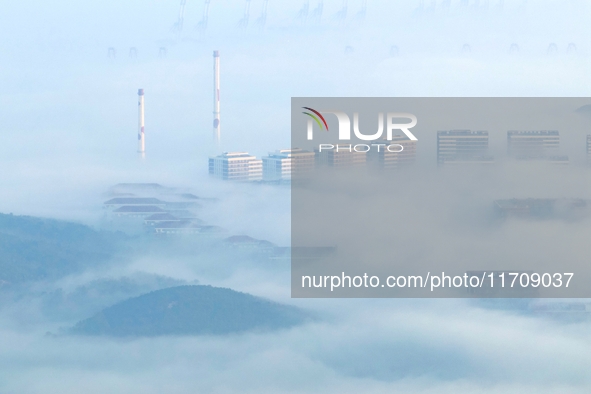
(138,209)
(245,239)
(189,196)
(461,133)
(235,154)
(186,225)
(134,201)
(532,132)
(182,205)
(556,158)
(138,186)
(211,229)
(287,153)
(240,239)
(161,217)
(181,213)
(178,224)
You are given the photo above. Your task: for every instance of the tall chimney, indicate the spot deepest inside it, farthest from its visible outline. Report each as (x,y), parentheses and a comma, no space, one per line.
(141,138)
(216,98)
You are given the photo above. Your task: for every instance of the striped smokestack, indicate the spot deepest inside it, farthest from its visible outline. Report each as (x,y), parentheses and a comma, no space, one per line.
(141,138)
(216,98)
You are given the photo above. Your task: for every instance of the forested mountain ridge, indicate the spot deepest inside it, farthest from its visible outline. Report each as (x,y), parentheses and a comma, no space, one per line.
(35,248)
(190,310)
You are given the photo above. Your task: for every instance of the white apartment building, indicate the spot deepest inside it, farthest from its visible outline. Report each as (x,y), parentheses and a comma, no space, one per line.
(236,166)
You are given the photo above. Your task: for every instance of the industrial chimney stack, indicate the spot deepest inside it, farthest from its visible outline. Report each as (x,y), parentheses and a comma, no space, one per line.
(141,138)
(216,98)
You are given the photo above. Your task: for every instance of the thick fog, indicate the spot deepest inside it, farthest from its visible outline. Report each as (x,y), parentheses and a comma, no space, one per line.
(68,117)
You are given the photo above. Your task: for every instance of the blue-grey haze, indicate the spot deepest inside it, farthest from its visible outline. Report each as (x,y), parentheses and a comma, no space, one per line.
(68,132)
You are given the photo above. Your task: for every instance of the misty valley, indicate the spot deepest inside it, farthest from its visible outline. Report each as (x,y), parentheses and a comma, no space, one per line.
(37,255)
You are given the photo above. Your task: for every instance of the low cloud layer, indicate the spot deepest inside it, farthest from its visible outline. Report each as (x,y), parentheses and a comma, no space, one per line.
(69,132)
(378,346)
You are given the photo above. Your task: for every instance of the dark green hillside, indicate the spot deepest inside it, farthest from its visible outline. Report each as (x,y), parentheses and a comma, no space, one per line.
(190,310)
(34,248)
(91,297)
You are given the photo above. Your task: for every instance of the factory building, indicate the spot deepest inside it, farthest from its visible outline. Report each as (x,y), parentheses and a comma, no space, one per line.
(236,166)
(281,164)
(462,147)
(140,207)
(397,153)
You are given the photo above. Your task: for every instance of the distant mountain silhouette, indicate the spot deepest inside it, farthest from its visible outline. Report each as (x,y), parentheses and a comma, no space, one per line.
(35,248)
(190,310)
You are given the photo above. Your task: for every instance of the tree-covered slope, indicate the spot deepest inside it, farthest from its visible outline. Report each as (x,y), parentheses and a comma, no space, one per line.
(190,310)
(35,248)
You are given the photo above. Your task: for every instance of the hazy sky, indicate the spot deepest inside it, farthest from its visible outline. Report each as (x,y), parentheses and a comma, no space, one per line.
(69,112)
(68,121)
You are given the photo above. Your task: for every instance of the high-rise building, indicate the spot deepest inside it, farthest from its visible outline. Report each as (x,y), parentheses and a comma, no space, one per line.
(236,166)
(398,152)
(281,164)
(462,147)
(341,156)
(589,149)
(533,144)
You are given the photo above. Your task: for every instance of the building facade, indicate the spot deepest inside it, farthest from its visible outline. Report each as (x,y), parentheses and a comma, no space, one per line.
(282,164)
(535,144)
(341,156)
(397,153)
(236,166)
(462,147)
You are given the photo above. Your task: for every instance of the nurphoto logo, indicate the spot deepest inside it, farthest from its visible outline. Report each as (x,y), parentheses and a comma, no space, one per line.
(392,121)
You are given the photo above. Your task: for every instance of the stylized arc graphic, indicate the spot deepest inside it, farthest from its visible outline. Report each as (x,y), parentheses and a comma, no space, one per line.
(319,114)
(315,118)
